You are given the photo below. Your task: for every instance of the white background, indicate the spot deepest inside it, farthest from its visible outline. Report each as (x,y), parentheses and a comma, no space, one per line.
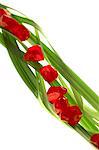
(73,28)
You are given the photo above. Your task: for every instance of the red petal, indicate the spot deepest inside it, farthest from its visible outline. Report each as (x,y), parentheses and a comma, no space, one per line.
(53,97)
(34,54)
(58,89)
(61,105)
(95,139)
(48,73)
(64,116)
(15,28)
(75,115)
(10,23)
(22,33)
(3,12)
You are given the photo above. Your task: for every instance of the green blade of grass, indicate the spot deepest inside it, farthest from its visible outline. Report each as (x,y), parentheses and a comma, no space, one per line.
(43,95)
(21,66)
(78,98)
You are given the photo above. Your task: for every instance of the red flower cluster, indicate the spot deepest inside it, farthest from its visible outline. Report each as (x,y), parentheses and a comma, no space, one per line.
(48,73)
(34,54)
(10,24)
(71,114)
(68,113)
(95,140)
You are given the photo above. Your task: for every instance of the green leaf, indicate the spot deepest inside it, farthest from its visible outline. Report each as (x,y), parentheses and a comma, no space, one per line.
(1,39)
(26,20)
(43,95)
(83,132)
(21,66)
(89,124)
(92,113)
(3,6)
(78,98)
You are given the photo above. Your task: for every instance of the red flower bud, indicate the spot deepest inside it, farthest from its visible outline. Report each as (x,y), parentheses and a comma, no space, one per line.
(34,54)
(22,33)
(15,28)
(10,23)
(3,12)
(55,92)
(58,89)
(64,115)
(95,140)
(61,105)
(53,97)
(74,114)
(48,73)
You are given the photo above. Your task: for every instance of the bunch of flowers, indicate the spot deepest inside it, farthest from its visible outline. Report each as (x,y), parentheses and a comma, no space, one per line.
(63,102)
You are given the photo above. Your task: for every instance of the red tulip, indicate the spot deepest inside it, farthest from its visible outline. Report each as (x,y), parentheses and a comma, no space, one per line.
(3,12)
(55,92)
(48,73)
(95,140)
(22,33)
(73,115)
(34,54)
(15,28)
(58,89)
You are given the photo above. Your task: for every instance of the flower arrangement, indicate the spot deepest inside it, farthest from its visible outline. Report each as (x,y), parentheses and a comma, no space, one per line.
(64,98)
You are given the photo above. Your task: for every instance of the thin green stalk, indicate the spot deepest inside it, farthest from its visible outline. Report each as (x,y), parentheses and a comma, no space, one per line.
(78,98)
(21,66)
